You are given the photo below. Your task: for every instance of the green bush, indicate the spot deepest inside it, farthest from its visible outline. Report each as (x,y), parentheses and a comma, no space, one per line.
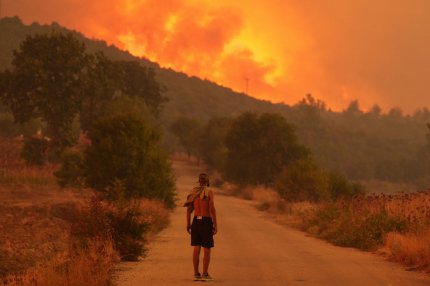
(121,221)
(339,186)
(128,232)
(343,227)
(71,172)
(259,147)
(34,151)
(125,149)
(302,180)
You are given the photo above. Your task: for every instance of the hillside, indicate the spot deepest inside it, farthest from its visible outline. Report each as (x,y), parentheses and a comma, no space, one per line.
(188,95)
(362,145)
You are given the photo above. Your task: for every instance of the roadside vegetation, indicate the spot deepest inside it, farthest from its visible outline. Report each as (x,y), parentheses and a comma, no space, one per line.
(97,183)
(396,226)
(260,158)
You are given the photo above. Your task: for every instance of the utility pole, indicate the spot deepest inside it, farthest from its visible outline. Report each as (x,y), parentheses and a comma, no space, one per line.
(246,84)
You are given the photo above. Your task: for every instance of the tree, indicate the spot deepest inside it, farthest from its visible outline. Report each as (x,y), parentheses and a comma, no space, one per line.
(259,147)
(340,187)
(125,151)
(395,113)
(34,151)
(47,81)
(136,80)
(71,172)
(353,108)
(376,110)
(212,149)
(187,130)
(114,80)
(102,84)
(303,180)
(310,103)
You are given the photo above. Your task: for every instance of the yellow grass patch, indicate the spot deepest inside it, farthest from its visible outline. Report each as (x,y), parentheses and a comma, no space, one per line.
(412,249)
(77,267)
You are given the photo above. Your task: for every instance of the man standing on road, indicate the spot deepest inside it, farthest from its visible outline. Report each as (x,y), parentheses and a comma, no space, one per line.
(204,226)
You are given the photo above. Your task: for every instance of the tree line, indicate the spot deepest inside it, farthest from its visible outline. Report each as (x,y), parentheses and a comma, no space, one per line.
(262,149)
(363,145)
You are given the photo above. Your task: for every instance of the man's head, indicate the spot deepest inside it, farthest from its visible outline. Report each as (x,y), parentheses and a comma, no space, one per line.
(204,179)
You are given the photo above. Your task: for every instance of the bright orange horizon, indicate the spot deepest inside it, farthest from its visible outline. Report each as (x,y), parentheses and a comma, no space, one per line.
(337,50)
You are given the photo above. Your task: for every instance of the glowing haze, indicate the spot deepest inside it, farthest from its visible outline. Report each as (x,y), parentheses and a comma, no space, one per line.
(338,50)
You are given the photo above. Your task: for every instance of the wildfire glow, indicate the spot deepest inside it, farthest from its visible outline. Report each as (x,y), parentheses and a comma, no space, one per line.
(281,49)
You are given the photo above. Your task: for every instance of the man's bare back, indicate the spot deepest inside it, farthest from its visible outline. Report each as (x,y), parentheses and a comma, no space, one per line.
(204,224)
(205,206)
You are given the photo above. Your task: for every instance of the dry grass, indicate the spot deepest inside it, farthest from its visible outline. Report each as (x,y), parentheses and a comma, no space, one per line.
(411,249)
(33,229)
(373,211)
(76,267)
(36,216)
(155,214)
(413,207)
(14,170)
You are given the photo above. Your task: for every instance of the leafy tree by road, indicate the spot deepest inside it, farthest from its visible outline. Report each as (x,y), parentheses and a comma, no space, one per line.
(53,78)
(303,180)
(211,148)
(125,152)
(137,80)
(47,81)
(259,147)
(188,131)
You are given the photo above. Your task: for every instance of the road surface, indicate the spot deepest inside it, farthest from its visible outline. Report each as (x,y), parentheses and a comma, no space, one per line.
(250,249)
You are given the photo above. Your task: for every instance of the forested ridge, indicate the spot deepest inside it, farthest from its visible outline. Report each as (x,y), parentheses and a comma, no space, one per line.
(371,145)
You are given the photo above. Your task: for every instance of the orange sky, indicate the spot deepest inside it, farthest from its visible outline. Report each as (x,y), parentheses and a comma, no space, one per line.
(339,50)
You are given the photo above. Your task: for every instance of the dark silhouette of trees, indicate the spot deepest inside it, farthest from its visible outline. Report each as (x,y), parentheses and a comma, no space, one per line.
(125,155)
(137,80)
(303,180)
(47,81)
(188,131)
(259,147)
(54,78)
(212,149)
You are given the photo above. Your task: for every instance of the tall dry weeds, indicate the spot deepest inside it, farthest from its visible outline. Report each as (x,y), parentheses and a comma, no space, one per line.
(91,266)
(14,170)
(411,249)
(366,221)
(35,223)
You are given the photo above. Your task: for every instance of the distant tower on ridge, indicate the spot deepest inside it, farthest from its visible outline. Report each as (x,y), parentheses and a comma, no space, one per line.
(246,84)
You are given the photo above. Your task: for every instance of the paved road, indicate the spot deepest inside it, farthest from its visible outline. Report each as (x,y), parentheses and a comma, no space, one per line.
(250,249)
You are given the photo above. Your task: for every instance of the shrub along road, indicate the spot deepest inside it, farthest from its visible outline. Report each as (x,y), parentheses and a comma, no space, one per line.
(250,249)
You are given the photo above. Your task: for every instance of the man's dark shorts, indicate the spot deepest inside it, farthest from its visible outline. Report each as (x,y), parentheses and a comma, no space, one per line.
(202,232)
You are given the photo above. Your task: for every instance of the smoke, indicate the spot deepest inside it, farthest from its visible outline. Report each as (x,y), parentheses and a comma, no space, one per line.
(373,51)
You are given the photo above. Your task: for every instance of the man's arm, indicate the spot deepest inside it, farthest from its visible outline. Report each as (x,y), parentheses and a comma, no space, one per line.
(213,211)
(190,209)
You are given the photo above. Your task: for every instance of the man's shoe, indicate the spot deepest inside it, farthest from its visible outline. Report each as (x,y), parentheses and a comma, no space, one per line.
(206,277)
(197,277)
